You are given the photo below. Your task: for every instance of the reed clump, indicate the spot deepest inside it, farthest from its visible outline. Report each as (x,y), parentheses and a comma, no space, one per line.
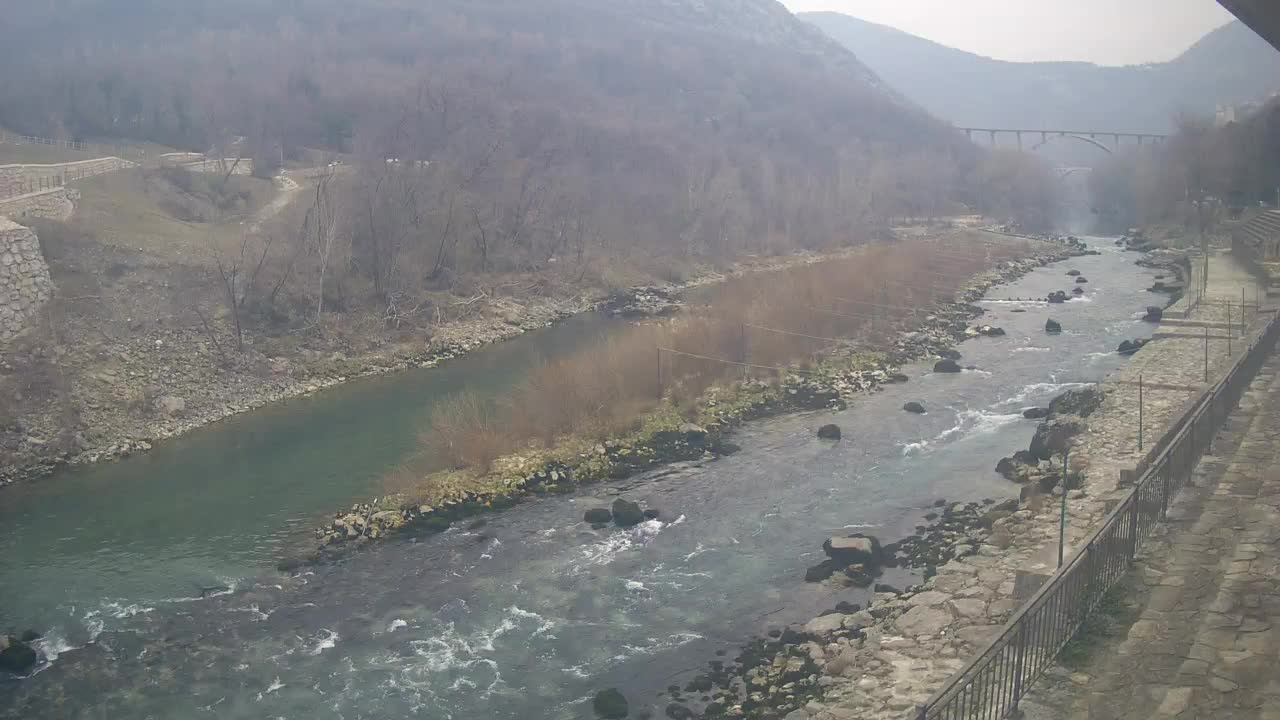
(750,327)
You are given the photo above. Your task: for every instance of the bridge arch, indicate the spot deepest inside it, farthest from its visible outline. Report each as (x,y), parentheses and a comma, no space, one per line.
(1081,138)
(1066,172)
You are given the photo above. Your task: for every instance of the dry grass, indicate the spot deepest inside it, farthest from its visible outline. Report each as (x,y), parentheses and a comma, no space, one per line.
(137,210)
(750,326)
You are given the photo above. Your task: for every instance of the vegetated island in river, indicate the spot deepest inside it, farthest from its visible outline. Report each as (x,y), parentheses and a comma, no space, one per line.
(882,316)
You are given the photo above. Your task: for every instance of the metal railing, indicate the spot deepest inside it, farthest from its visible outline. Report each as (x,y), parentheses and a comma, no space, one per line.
(25,186)
(991,685)
(58,176)
(122,149)
(8,138)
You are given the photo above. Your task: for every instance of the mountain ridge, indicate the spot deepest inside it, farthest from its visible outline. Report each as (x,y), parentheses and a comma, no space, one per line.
(1230,65)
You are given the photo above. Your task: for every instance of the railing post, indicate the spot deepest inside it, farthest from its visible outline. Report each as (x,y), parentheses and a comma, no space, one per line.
(1164,491)
(1019,665)
(1133,525)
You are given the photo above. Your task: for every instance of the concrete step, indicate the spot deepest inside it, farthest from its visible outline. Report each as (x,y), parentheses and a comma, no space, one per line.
(1192,335)
(1192,323)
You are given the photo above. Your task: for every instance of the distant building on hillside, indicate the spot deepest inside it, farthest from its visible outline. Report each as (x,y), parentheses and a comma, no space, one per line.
(1228,114)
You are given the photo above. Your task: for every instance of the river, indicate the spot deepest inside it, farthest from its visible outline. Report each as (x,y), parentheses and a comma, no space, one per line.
(528,614)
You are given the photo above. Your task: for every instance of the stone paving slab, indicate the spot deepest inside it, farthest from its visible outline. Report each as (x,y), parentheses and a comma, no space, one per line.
(1206,643)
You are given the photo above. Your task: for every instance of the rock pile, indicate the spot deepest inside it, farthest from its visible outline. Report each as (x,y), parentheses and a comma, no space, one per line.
(946,366)
(643,302)
(623,513)
(1038,468)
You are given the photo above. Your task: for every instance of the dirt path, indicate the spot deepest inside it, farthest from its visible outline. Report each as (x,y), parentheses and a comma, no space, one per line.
(287,189)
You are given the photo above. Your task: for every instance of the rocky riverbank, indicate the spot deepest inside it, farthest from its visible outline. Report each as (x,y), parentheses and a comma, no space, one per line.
(665,435)
(883,661)
(84,394)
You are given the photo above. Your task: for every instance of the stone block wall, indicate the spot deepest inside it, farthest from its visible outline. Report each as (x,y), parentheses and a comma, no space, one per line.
(26,178)
(178,159)
(55,204)
(25,285)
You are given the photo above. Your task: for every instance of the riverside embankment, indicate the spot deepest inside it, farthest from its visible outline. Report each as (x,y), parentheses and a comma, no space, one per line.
(530,613)
(886,660)
(131,385)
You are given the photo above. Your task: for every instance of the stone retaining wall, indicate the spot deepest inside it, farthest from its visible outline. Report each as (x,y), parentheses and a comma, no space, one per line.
(26,179)
(55,204)
(25,285)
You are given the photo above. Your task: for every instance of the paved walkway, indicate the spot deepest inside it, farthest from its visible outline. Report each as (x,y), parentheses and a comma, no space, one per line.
(1206,641)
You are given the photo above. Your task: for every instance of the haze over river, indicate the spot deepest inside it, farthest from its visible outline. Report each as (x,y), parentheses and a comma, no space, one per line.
(529,614)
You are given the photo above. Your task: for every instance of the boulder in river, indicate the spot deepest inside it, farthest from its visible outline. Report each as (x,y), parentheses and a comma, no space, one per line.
(1054,436)
(829,432)
(1078,291)
(1129,347)
(627,513)
(1053,327)
(597,516)
(16,656)
(914,407)
(855,550)
(1057,297)
(652,514)
(1082,280)
(946,366)
(1073,273)
(694,434)
(1154,314)
(1035,413)
(1015,469)
(676,711)
(990,331)
(1080,401)
(821,571)
(610,703)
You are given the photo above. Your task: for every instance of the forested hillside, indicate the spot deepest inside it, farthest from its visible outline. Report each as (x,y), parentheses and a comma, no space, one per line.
(701,126)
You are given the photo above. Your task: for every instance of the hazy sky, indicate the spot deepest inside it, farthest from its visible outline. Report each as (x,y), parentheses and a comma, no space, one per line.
(1108,32)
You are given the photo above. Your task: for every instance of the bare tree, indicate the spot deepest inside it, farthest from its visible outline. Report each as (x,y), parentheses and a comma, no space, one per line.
(320,230)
